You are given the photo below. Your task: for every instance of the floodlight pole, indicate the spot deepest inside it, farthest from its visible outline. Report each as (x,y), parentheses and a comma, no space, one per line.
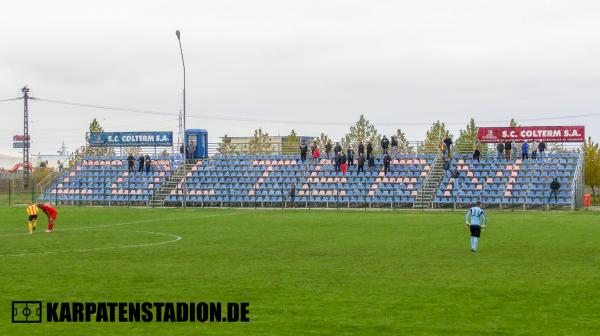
(184,129)
(25,91)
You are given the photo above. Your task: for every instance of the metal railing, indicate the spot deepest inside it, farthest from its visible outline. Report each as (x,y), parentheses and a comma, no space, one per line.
(73,158)
(413,147)
(577,185)
(433,166)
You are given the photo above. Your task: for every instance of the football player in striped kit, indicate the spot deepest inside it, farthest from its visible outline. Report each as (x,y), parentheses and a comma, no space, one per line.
(32,212)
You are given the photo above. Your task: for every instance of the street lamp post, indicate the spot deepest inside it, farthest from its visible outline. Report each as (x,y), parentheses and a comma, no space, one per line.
(184,142)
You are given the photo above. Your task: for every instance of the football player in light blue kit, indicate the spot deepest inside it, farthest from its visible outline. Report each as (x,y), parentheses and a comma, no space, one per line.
(475,220)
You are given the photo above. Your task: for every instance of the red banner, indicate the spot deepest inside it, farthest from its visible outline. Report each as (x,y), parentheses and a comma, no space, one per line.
(534,133)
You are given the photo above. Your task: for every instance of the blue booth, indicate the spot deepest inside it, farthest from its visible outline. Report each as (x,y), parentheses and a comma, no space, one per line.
(198,140)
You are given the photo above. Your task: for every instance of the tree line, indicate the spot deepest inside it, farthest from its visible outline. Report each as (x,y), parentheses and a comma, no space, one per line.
(592,164)
(363,130)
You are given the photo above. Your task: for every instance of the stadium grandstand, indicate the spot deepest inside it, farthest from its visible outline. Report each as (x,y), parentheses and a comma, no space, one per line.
(415,180)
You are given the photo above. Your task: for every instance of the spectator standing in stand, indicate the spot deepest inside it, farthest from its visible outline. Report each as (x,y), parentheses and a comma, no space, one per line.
(525,150)
(394,145)
(350,156)
(542,149)
(303,151)
(343,164)
(337,161)
(385,143)
(328,149)
(554,187)
(476,154)
(369,152)
(500,149)
(191,150)
(507,149)
(141,163)
(361,163)
(148,163)
(456,176)
(130,163)
(444,150)
(371,162)
(316,154)
(361,148)
(337,149)
(386,163)
(448,142)
(446,167)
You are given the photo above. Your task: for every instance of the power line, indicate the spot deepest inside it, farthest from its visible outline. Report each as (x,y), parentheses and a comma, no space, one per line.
(124,109)
(102,107)
(302,122)
(588,115)
(10,99)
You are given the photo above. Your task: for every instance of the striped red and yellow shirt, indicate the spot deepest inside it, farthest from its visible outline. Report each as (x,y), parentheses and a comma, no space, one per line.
(32,210)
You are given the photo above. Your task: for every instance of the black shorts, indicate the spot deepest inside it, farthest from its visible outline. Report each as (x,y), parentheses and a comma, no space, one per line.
(32,218)
(475,230)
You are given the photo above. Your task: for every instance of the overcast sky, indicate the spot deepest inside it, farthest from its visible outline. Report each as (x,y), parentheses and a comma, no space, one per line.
(404,64)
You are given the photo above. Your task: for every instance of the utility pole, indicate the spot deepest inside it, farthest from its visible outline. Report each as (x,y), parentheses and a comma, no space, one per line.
(180,132)
(63,149)
(25,91)
(185,154)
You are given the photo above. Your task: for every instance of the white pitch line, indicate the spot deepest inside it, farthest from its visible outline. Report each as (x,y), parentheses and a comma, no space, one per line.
(176,239)
(99,228)
(125,223)
(146,221)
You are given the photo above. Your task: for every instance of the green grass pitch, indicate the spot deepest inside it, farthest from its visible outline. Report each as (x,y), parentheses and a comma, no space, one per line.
(311,272)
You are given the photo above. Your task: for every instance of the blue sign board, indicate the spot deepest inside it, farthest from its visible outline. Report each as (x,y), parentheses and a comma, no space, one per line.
(131,139)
